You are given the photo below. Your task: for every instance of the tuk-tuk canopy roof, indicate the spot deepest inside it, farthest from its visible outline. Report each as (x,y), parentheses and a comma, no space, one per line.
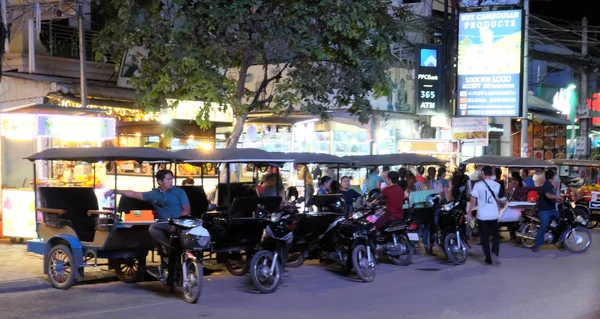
(314,158)
(573,162)
(108,153)
(230,155)
(506,161)
(395,159)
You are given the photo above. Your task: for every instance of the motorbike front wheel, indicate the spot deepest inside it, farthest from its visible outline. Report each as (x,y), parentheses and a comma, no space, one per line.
(457,254)
(260,272)
(364,268)
(192,285)
(530,231)
(577,240)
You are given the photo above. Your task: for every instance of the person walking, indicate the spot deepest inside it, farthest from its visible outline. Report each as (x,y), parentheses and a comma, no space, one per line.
(487,198)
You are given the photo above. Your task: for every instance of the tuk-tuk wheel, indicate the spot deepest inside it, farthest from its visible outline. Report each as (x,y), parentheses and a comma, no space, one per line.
(60,267)
(129,270)
(237,263)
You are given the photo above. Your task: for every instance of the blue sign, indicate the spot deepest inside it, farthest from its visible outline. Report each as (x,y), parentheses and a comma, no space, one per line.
(428,58)
(490,59)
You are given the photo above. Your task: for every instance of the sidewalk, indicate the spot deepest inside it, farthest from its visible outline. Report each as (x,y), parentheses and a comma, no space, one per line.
(23,271)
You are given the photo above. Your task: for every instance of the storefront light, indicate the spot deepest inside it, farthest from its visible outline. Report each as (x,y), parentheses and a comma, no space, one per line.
(572,87)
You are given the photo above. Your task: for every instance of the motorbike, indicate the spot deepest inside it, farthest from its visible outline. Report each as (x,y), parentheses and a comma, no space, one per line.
(452,233)
(266,266)
(184,260)
(568,231)
(351,243)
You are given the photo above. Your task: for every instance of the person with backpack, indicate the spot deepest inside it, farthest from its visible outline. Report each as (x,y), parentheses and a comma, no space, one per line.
(486,196)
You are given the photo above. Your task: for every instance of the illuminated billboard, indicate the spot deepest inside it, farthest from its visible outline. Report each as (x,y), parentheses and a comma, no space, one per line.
(490,62)
(487,3)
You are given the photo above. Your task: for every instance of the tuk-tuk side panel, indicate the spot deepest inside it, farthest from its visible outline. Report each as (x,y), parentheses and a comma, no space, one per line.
(134,238)
(76,250)
(46,231)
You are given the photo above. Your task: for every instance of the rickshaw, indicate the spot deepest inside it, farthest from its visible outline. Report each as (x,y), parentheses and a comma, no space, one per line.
(234,228)
(415,207)
(311,224)
(586,194)
(74,232)
(520,200)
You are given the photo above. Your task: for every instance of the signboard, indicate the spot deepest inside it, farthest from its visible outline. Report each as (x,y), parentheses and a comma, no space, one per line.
(18,211)
(490,61)
(76,128)
(593,105)
(582,146)
(425,146)
(428,79)
(487,3)
(471,130)
(187,110)
(130,66)
(18,126)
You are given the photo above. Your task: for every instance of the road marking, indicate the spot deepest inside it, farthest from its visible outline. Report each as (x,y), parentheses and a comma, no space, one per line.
(92,313)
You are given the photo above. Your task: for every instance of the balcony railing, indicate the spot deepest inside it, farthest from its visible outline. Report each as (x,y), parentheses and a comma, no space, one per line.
(63,41)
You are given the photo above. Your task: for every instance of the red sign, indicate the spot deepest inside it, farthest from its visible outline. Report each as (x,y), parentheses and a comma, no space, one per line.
(593,105)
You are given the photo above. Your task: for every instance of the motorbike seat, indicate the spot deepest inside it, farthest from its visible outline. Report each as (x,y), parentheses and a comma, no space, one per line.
(393,223)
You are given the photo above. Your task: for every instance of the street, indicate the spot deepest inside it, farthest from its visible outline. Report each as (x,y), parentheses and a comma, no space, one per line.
(547,284)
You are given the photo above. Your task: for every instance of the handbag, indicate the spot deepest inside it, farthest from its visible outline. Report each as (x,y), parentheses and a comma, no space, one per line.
(501,207)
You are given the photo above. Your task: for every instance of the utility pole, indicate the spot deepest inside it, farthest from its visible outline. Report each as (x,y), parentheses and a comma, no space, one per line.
(525,84)
(583,88)
(82,63)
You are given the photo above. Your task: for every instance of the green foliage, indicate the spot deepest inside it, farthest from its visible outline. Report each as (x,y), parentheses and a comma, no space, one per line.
(317,56)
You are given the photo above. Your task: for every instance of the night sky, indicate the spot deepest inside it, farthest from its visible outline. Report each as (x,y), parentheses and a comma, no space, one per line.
(566,10)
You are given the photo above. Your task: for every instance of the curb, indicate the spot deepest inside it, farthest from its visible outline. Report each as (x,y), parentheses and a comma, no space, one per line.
(23,285)
(41,284)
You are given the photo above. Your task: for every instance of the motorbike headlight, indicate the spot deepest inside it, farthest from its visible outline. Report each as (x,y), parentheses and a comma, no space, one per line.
(275,217)
(358,215)
(573,205)
(204,241)
(188,223)
(449,206)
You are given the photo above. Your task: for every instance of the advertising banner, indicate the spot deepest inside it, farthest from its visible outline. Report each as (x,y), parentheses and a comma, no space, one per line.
(428,79)
(490,59)
(471,130)
(487,3)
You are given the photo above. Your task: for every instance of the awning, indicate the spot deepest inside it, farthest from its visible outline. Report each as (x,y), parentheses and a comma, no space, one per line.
(537,104)
(556,119)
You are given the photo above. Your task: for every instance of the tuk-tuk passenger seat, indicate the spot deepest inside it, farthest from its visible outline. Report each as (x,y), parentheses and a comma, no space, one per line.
(76,201)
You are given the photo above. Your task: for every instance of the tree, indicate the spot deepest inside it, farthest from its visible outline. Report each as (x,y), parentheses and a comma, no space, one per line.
(316,56)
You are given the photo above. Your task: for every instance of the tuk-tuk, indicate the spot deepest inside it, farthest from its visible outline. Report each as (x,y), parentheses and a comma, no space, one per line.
(74,232)
(581,176)
(234,228)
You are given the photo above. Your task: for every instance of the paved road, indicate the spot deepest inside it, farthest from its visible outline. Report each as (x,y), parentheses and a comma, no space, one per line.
(548,284)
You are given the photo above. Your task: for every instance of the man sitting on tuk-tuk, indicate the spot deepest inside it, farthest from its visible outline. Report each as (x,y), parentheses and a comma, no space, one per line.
(168,202)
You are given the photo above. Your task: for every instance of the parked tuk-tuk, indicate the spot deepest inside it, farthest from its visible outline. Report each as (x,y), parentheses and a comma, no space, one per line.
(581,177)
(235,230)
(74,232)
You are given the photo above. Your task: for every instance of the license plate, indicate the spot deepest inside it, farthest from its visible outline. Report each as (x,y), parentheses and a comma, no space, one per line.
(413,236)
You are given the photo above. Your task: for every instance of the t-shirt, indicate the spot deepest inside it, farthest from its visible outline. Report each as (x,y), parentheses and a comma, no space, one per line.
(174,199)
(372,181)
(529,182)
(349,196)
(546,203)
(487,207)
(394,200)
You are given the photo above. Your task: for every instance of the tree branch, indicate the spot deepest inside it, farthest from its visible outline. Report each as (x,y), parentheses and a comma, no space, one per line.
(263,86)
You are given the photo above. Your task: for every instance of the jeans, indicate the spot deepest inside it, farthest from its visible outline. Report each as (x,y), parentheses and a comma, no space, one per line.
(545,216)
(485,227)
(161,232)
(429,230)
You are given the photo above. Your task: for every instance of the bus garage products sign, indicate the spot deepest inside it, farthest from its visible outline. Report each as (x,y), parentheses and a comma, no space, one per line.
(428,79)
(490,61)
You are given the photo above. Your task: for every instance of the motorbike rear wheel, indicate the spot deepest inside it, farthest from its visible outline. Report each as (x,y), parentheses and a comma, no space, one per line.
(577,240)
(260,267)
(529,230)
(457,254)
(403,259)
(193,289)
(360,261)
